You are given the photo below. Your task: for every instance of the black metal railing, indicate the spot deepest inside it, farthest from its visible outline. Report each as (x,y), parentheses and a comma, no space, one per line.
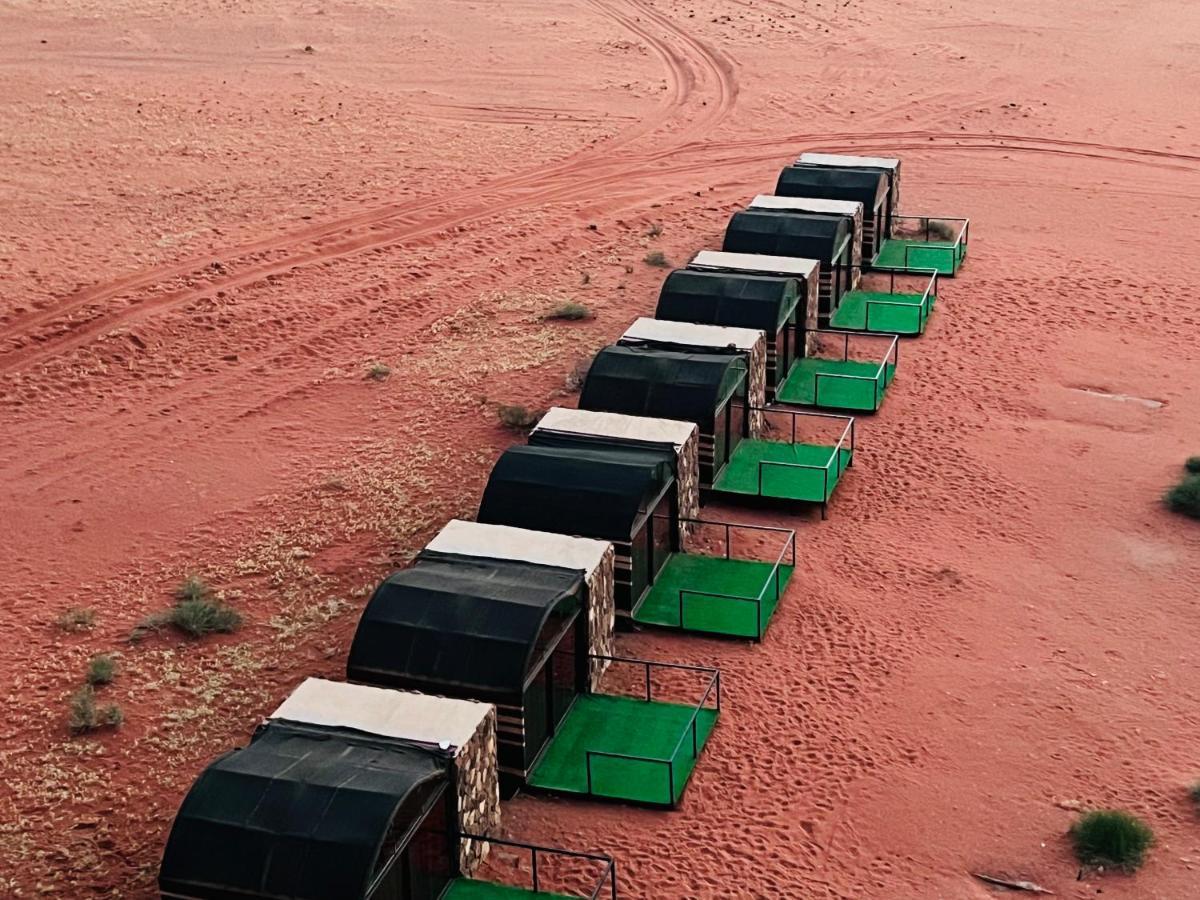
(608,873)
(878,380)
(713,687)
(957,248)
(839,460)
(773,577)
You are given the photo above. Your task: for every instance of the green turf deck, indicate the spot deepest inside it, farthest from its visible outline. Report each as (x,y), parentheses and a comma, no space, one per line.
(889,313)
(741,473)
(705,612)
(859,394)
(602,722)
(943,256)
(470,889)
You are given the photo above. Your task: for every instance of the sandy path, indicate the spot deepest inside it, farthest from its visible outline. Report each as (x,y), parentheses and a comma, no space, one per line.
(997,617)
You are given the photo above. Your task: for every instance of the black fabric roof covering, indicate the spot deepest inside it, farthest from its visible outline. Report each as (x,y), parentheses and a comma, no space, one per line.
(867,186)
(301,813)
(667,384)
(718,298)
(545,437)
(596,493)
(780,233)
(461,625)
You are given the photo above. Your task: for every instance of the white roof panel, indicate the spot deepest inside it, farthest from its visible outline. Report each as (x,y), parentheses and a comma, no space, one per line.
(757,263)
(691,334)
(616,425)
(807,204)
(396,714)
(521,544)
(836,159)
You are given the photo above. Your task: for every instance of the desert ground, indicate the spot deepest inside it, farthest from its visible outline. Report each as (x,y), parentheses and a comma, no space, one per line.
(216,215)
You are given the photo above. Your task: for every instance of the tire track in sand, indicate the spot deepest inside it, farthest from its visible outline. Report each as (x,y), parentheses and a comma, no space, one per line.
(41,335)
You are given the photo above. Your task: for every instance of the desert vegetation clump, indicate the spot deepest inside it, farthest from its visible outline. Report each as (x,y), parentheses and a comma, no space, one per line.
(77,618)
(101,669)
(654,230)
(570,311)
(516,417)
(378,371)
(657,259)
(1110,837)
(578,374)
(84,715)
(197,612)
(1184,497)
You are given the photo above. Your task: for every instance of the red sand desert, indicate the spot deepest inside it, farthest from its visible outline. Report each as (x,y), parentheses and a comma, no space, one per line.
(215,217)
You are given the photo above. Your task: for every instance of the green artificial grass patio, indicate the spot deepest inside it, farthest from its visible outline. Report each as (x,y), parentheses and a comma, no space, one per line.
(863,392)
(709,576)
(470,889)
(879,311)
(903,254)
(624,725)
(783,482)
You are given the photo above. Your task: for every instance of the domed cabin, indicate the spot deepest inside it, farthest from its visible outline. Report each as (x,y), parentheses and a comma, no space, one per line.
(787,456)
(840,369)
(775,233)
(888,167)
(880,302)
(625,495)
(850,210)
(505,632)
(902,242)
(707,389)
(562,427)
(805,272)
(689,337)
(593,559)
(351,792)
(863,186)
(752,563)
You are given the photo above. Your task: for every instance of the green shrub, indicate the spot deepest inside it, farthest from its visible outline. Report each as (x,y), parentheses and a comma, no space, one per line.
(1110,837)
(77,618)
(196,613)
(1193,465)
(84,715)
(378,371)
(570,311)
(518,418)
(101,669)
(192,588)
(200,617)
(1185,497)
(657,259)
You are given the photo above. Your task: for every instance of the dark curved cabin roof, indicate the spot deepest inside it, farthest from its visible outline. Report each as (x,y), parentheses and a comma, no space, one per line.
(301,813)
(646,381)
(719,298)
(868,186)
(462,626)
(778,233)
(598,493)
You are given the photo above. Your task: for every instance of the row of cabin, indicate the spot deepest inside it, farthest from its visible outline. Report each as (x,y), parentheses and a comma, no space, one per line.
(469,663)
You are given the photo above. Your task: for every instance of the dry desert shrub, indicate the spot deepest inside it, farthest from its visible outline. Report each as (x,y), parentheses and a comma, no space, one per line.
(83,715)
(101,669)
(77,618)
(517,418)
(656,258)
(570,311)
